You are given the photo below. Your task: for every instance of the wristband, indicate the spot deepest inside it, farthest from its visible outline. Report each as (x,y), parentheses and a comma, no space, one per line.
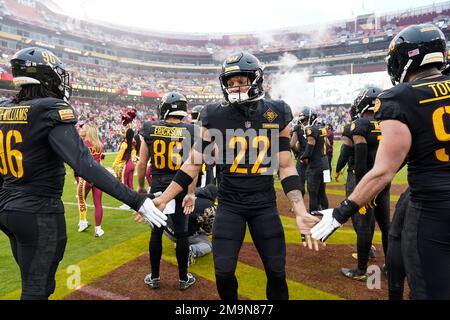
(346,209)
(284,144)
(183,179)
(291,183)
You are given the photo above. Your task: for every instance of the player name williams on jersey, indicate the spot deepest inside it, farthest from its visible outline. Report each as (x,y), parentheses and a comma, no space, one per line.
(169,145)
(24,130)
(247,180)
(424,106)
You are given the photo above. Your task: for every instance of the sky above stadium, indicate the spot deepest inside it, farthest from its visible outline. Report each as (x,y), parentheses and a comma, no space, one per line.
(212,16)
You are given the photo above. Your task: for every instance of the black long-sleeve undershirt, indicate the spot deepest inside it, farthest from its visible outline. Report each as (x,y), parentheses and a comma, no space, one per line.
(66,142)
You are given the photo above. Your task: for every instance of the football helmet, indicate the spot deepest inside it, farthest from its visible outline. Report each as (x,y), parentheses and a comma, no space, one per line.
(195,113)
(353,112)
(365,101)
(414,47)
(41,67)
(242,64)
(206,219)
(173,104)
(308,117)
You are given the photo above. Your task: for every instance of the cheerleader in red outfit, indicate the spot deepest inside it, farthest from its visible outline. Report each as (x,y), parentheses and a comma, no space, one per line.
(94,144)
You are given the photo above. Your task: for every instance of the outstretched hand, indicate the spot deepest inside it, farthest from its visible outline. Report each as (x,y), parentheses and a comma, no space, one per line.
(305,222)
(188,203)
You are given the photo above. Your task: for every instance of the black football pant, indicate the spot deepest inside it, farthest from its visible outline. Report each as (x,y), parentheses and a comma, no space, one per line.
(316,189)
(426,249)
(38,241)
(394,257)
(366,227)
(180,230)
(268,236)
(301,170)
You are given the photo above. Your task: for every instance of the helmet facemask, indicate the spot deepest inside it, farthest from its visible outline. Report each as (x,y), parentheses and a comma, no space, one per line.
(254,92)
(64,86)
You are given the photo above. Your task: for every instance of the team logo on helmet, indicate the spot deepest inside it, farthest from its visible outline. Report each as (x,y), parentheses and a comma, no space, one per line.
(377,105)
(234,58)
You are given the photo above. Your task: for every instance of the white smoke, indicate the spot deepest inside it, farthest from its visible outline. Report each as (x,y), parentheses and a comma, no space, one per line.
(292,85)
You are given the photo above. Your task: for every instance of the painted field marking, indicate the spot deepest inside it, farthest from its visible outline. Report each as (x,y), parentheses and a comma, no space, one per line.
(104,294)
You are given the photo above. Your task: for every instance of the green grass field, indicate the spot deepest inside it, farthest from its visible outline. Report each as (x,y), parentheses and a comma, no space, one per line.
(125,240)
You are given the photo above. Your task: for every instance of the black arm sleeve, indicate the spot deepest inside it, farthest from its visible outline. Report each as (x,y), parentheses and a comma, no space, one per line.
(360,161)
(308,151)
(343,157)
(68,145)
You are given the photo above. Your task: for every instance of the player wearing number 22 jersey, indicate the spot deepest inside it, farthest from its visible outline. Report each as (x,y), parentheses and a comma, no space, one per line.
(249,136)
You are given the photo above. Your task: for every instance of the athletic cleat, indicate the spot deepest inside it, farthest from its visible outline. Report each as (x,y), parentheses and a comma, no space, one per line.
(372,255)
(152,283)
(83,225)
(191,257)
(98,232)
(354,274)
(189,282)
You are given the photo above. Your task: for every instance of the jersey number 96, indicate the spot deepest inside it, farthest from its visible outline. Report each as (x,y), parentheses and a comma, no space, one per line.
(10,159)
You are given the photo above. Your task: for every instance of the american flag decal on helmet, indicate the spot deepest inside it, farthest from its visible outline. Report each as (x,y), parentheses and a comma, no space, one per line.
(413,53)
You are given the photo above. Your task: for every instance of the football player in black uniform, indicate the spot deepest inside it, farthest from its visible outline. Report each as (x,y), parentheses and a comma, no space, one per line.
(347,157)
(366,136)
(316,159)
(166,142)
(298,145)
(37,135)
(251,128)
(415,122)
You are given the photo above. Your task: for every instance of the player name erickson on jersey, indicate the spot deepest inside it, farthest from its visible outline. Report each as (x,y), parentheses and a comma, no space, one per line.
(225,309)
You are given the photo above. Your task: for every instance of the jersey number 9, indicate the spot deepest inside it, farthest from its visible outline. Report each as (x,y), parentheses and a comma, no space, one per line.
(440,131)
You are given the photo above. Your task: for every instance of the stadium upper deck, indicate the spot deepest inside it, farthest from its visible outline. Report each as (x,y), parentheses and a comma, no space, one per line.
(42,23)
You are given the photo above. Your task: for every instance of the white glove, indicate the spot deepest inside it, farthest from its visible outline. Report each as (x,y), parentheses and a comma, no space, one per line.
(151,214)
(326,226)
(170,207)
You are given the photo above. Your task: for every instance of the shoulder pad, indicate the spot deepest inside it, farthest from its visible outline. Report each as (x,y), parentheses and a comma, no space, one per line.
(389,103)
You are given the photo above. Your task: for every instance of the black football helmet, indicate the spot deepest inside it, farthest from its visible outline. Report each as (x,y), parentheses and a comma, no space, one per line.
(414,47)
(353,112)
(41,67)
(195,113)
(308,117)
(242,64)
(365,100)
(173,104)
